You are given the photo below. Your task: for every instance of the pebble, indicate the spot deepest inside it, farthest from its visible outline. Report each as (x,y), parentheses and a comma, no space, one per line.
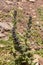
(2,35)
(5,25)
(32,0)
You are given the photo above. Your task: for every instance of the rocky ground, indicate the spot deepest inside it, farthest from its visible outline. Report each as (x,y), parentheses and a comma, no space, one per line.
(24,10)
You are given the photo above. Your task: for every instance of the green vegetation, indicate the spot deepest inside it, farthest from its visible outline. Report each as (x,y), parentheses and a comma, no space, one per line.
(39,52)
(23,54)
(6,57)
(7,42)
(37,37)
(17,50)
(40,12)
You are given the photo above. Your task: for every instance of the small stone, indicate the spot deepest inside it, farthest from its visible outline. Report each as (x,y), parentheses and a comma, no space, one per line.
(1,45)
(37,63)
(8,2)
(5,25)
(34,16)
(32,0)
(8,60)
(37,22)
(23,0)
(20,8)
(2,35)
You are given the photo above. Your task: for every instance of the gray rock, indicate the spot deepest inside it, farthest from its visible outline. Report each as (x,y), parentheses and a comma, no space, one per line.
(5,25)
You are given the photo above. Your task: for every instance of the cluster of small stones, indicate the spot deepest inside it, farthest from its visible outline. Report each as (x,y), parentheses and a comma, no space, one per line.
(28,8)
(25,0)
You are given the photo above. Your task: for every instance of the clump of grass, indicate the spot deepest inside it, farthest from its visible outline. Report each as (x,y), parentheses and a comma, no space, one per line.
(40,52)
(7,42)
(37,37)
(39,40)
(40,13)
